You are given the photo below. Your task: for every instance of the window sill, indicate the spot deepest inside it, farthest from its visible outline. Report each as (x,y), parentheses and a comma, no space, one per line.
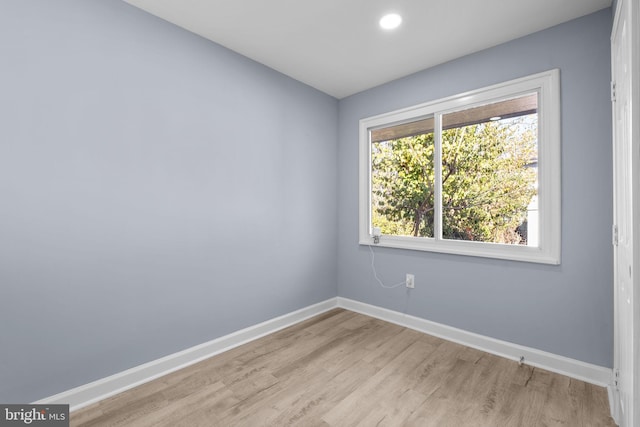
(467,248)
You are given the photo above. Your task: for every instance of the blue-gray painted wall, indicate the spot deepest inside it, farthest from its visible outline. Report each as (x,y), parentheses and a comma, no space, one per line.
(156,192)
(565,309)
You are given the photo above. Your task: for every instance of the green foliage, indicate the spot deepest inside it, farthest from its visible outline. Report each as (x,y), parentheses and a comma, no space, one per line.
(486,182)
(402,183)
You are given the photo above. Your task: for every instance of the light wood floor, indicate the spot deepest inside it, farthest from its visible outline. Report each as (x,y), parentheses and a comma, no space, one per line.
(347,369)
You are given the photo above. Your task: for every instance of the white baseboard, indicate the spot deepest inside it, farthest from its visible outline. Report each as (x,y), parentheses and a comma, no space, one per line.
(93,392)
(587,372)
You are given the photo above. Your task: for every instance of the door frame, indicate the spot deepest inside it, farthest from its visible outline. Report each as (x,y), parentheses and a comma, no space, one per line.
(632,9)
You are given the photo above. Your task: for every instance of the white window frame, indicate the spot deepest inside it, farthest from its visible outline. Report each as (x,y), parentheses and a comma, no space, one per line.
(547,85)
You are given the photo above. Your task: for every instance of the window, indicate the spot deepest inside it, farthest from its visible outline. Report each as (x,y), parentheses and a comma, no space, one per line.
(474,174)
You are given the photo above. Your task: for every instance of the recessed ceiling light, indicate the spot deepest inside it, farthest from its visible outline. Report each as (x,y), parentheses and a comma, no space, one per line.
(390,21)
(494,118)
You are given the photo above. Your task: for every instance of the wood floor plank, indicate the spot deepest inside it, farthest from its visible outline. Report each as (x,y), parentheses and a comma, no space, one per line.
(388,383)
(314,399)
(345,369)
(390,348)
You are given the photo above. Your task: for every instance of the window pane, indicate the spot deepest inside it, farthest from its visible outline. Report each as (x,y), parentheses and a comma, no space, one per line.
(402,179)
(489,173)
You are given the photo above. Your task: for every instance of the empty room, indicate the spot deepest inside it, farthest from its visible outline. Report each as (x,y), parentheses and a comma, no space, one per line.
(338,213)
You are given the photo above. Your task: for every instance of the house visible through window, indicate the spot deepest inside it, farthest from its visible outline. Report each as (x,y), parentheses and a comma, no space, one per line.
(476,174)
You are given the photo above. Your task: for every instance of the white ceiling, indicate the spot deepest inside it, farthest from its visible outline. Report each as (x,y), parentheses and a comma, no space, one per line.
(337,47)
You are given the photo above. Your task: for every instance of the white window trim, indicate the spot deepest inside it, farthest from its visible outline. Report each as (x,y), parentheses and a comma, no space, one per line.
(547,84)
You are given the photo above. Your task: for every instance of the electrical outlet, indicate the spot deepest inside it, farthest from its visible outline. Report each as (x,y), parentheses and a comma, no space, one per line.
(410,281)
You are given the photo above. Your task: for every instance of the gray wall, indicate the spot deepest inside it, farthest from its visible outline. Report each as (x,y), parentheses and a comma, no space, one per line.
(565,309)
(156,191)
